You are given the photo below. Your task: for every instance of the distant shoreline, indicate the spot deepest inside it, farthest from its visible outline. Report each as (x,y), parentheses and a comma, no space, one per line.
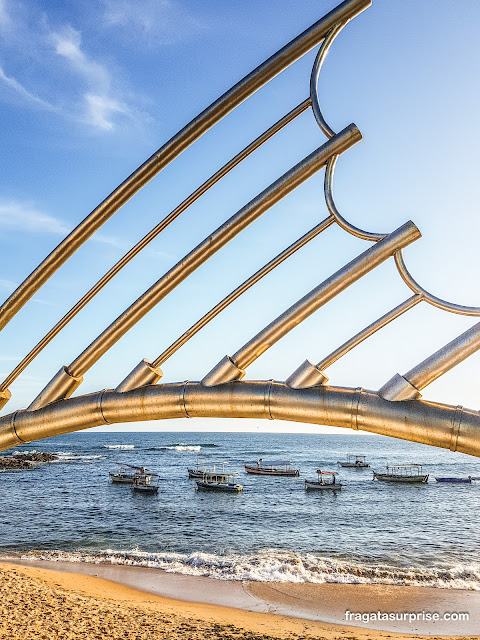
(322,605)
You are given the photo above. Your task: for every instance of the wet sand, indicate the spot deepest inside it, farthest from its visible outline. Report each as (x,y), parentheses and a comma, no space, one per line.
(83,601)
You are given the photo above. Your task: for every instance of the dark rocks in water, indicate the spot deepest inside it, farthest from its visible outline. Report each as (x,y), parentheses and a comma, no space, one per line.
(26,460)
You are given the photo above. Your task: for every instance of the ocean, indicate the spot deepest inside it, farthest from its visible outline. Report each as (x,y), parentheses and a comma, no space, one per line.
(370,532)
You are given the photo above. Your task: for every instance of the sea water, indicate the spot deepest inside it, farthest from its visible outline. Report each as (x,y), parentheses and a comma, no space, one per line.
(370,532)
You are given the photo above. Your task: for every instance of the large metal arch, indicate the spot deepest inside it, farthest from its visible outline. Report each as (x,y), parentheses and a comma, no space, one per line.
(438,425)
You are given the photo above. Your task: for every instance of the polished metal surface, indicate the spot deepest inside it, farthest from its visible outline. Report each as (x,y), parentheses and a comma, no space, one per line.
(317,67)
(332,207)
(320,295)
(433,367)
(215,241)
(395,410)
(62,385)
(174,147)
(435,424)
(399,310)
(144,373)
(428,297)
(151,235)
(305,376)
(258,275)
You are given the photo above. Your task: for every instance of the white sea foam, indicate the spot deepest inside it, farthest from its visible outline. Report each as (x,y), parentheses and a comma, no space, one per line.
(69,456)
(119,446)
(183,447)
(273,565)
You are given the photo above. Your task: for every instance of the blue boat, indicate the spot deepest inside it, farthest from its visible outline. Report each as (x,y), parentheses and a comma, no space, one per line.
(457,480)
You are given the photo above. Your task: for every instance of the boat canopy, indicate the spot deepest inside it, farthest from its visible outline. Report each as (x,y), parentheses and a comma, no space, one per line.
(274,463)
(405,466)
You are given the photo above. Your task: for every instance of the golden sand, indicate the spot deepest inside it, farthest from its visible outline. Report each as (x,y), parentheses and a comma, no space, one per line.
(43,604)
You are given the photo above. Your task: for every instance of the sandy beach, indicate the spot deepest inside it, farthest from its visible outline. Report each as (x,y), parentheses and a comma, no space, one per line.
(38,602)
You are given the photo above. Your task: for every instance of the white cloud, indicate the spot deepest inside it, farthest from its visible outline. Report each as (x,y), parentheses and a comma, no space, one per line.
(18,216)
(24,217)
(9,286)
(49,68)
(156,22)
(26,95)
(5,20)
(68,45)
(101,109)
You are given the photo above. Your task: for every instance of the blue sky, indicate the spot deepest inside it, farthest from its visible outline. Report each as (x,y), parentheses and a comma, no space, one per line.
(89,90)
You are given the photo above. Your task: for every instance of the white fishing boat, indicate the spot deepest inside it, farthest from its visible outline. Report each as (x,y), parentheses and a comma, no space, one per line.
(219,481)
(274,468)
(126,474)
(354,462)
(325,480)
(146,482)
(406,473)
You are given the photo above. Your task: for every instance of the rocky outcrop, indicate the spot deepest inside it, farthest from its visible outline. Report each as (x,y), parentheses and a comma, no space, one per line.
(26,460)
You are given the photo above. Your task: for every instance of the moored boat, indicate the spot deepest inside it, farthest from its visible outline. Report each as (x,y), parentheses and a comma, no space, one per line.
(455,480)
(126,474)
(215,481)
(198,470)
(326,480)
(275,468)
(354,462)
(146,482)
(406,473)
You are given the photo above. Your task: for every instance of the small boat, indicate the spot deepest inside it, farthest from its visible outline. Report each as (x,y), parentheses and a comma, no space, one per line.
(146,482)
(198,471)
(125,474)
(455,480)
(276,468)
(406,473)
(354,462)
(326,480)
(215,481)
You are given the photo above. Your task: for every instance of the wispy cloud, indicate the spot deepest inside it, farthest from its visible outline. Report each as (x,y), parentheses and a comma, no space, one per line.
(23,93)
(155,22)
(5,19)
(49,68)
(17,216)
(24,217)
(8,285)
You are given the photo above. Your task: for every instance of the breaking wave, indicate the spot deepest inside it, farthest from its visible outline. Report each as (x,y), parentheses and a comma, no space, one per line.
(119,446)
(273,565)
(69,456)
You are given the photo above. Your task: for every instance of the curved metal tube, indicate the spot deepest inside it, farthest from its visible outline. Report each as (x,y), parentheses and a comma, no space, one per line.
(317,67)
(151,235)
(332,207)
(428,297)
(408,387)
(357,339)
(215,241)
(434,424)
(311,375)
(147,372)
(364,263)
(313,233)
(174,147)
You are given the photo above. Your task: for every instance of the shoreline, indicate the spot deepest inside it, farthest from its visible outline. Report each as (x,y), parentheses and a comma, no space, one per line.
(298,608)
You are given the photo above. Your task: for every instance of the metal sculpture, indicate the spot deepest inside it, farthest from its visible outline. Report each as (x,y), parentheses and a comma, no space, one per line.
(395,410)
